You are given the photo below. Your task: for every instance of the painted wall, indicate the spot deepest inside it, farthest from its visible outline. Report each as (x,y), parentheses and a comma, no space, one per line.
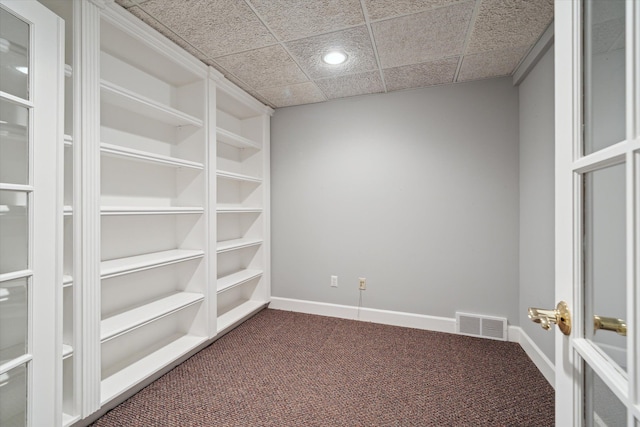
(417,191)
(537,266)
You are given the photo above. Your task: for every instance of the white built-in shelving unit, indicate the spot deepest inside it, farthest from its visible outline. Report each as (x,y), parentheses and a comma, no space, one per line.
(242,205)
(154,205)
(165,208)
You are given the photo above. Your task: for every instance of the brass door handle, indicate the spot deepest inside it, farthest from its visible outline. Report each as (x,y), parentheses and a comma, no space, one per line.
(559,316)
(618,326)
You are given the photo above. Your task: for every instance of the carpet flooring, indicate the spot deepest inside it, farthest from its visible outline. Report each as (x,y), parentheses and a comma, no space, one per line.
(289,369)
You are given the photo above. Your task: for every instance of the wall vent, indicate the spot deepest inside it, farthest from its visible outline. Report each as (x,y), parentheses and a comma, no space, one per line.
(476,325)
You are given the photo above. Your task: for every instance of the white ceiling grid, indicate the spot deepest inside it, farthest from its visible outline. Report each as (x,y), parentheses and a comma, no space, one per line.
(273,48)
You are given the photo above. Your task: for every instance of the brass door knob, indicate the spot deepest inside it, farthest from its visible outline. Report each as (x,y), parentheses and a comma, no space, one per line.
(613,324)
(559,316)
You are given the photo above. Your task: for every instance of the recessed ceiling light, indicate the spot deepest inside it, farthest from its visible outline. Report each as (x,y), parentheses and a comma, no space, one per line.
(334,57)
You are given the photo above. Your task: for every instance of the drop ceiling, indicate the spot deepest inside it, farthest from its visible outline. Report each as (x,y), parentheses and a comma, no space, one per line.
(273,48)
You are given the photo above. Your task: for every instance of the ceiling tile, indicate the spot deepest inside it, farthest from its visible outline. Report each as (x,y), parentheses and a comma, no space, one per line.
(503,24)
(143,16)
(379,9)
(303,93)
(420,75)
(351,85)
(215,27)
(490,64)
(266,67)
(423,36)
(294,19)
(355,42)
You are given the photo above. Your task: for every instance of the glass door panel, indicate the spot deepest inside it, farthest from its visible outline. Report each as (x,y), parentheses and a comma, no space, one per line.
(14,143)
(605,260)
(602,406)
(14,231)
(13,397)
(13,317)
(14,55)
(604,74)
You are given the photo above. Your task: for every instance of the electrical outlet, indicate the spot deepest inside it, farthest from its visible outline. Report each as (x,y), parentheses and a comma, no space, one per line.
(363,283)
(334,281)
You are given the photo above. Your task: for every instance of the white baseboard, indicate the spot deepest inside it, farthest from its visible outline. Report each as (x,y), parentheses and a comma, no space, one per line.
(410,320)
(395,318)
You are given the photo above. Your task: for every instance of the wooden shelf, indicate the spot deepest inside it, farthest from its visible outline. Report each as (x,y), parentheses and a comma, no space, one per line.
(115,384)
(238,209)
(117,267)
(231,245)
(68,140)
(238,313)
(123,98)
(150,210)
(67,210)
(147,157)
(235,279)
(235,140)
(237,177)
(122,323)
(67,281)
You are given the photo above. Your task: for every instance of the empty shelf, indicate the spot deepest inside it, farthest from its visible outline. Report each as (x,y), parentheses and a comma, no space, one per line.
(237,177)
(238,313)
(230,245)
(144,156)
(67,210)
(67,281)
(115,384)
(235,140)
(131,101)
(235,279)
(68,140)
(150,210)
(119,324)
(238,209)
(117,267)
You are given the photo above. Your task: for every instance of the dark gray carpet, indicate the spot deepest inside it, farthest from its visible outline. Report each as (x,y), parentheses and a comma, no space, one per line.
(289,369)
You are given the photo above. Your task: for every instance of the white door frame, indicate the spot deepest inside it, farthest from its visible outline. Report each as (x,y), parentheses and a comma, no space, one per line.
(570,164)
(46,128)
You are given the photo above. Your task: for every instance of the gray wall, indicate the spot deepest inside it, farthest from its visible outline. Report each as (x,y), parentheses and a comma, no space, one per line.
(537,274)
(417,191)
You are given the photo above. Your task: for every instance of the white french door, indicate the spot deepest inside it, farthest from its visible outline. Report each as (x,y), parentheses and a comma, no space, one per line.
(31,133)
(597,206)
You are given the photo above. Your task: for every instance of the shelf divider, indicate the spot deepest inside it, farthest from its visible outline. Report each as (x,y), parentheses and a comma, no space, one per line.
(115,384)
(148,157)
(238,313)
(232,280)
(131,101)
(120,266)
(235,140)
(122,323)
(231,245)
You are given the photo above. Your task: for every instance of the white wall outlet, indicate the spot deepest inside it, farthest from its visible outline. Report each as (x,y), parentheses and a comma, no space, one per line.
(334,281)
(363,283)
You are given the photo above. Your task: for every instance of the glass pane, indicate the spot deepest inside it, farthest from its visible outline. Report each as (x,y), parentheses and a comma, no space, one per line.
(14,143)
(13,397)
(604,74)
(602,407)
(14,231)
(13,313)
(14,55)
(605,259)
